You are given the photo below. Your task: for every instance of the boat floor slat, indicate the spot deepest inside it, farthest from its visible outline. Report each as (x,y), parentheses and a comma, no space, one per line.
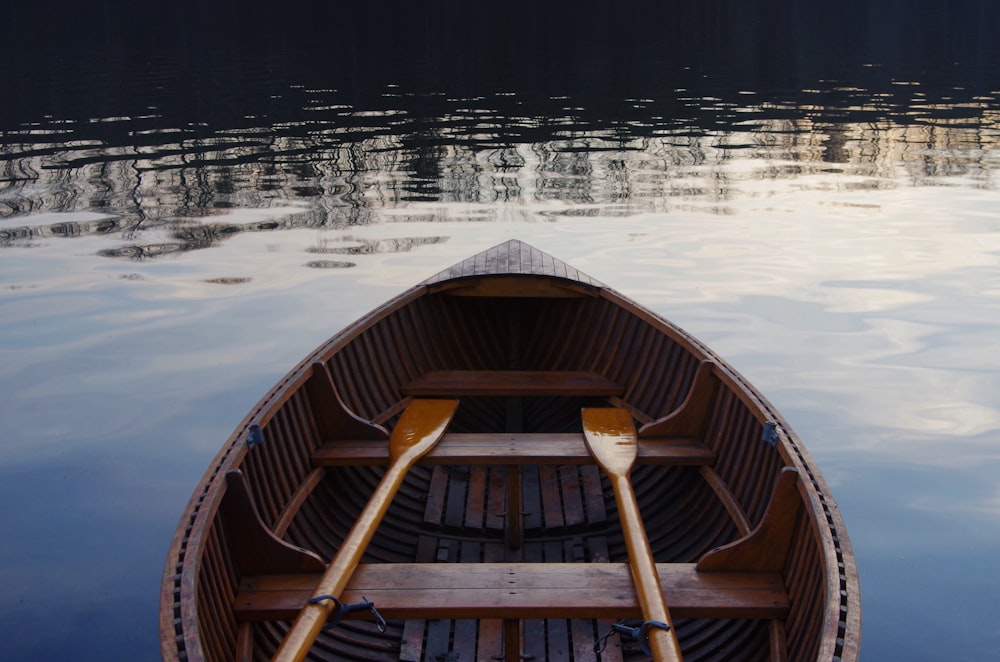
(522,590)
(512,448)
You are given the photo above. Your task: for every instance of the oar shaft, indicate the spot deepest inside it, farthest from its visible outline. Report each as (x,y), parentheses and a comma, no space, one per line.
(611,438)
(311,618)
(663,643)
(419,428)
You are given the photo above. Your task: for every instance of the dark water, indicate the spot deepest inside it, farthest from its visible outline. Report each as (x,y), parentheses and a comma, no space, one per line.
(193,197)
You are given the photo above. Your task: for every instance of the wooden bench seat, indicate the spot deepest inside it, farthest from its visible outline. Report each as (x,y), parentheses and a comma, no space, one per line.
(521,590)
(511,448)
(511,383)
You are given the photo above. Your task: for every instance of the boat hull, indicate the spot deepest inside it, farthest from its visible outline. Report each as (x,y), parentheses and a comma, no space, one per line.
(523,342)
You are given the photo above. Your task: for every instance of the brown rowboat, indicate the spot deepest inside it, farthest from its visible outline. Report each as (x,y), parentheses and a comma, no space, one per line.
(527,404)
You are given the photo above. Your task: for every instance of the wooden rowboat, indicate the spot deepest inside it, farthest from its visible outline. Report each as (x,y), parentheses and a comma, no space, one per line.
(460,463)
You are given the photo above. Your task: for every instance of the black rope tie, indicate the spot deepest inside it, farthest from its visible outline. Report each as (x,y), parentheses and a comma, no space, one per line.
(340,610)
(639,634)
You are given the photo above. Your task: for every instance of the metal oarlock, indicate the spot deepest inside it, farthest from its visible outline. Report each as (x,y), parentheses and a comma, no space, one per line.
(639,634)
(340,610)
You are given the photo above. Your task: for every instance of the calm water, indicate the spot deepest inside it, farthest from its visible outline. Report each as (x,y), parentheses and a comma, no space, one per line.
(191,202)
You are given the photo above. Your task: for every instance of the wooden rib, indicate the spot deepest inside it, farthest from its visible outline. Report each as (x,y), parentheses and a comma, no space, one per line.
(522,590)
(776,637)
(298,498)
(244,643)
(459,448)
(729,501)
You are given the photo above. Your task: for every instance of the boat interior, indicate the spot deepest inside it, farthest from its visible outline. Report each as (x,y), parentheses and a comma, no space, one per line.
(504,542)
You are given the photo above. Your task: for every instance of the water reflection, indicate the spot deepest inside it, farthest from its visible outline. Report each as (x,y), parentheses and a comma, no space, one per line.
(811,188)
(341,165)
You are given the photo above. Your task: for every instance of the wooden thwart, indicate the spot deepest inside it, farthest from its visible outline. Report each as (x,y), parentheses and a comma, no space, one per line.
(511,383)
(521,590)
(510,448)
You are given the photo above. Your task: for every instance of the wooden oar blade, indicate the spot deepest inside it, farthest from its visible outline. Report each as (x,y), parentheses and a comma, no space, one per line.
(611,438)
(420,427)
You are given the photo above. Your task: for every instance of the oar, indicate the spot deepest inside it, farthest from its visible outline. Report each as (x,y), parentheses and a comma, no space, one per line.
(611,438)
(421,425)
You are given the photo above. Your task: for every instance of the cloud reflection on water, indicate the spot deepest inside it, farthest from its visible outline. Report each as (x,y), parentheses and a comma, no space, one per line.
(848,269)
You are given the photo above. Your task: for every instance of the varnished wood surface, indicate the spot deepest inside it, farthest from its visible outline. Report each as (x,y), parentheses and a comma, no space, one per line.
(513,308)
(420,427)
(612,440)
(457,448)
(522,590)
(513,258)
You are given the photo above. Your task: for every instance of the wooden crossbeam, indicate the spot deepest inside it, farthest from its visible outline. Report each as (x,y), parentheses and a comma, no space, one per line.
(521,590)
(456,383)
(512,448)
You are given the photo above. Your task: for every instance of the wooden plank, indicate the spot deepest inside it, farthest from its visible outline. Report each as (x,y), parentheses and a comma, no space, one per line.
(512,448)
(572,496)
(511,382)
(532,645)
(490,643)
(593,494)
(531,498)
(496,506)
(411,645)
(434,506)
(438,639)
(556,629)
(552,510)
(522,590)
(464,639)
(597,547)
(458,490)
(476,508)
